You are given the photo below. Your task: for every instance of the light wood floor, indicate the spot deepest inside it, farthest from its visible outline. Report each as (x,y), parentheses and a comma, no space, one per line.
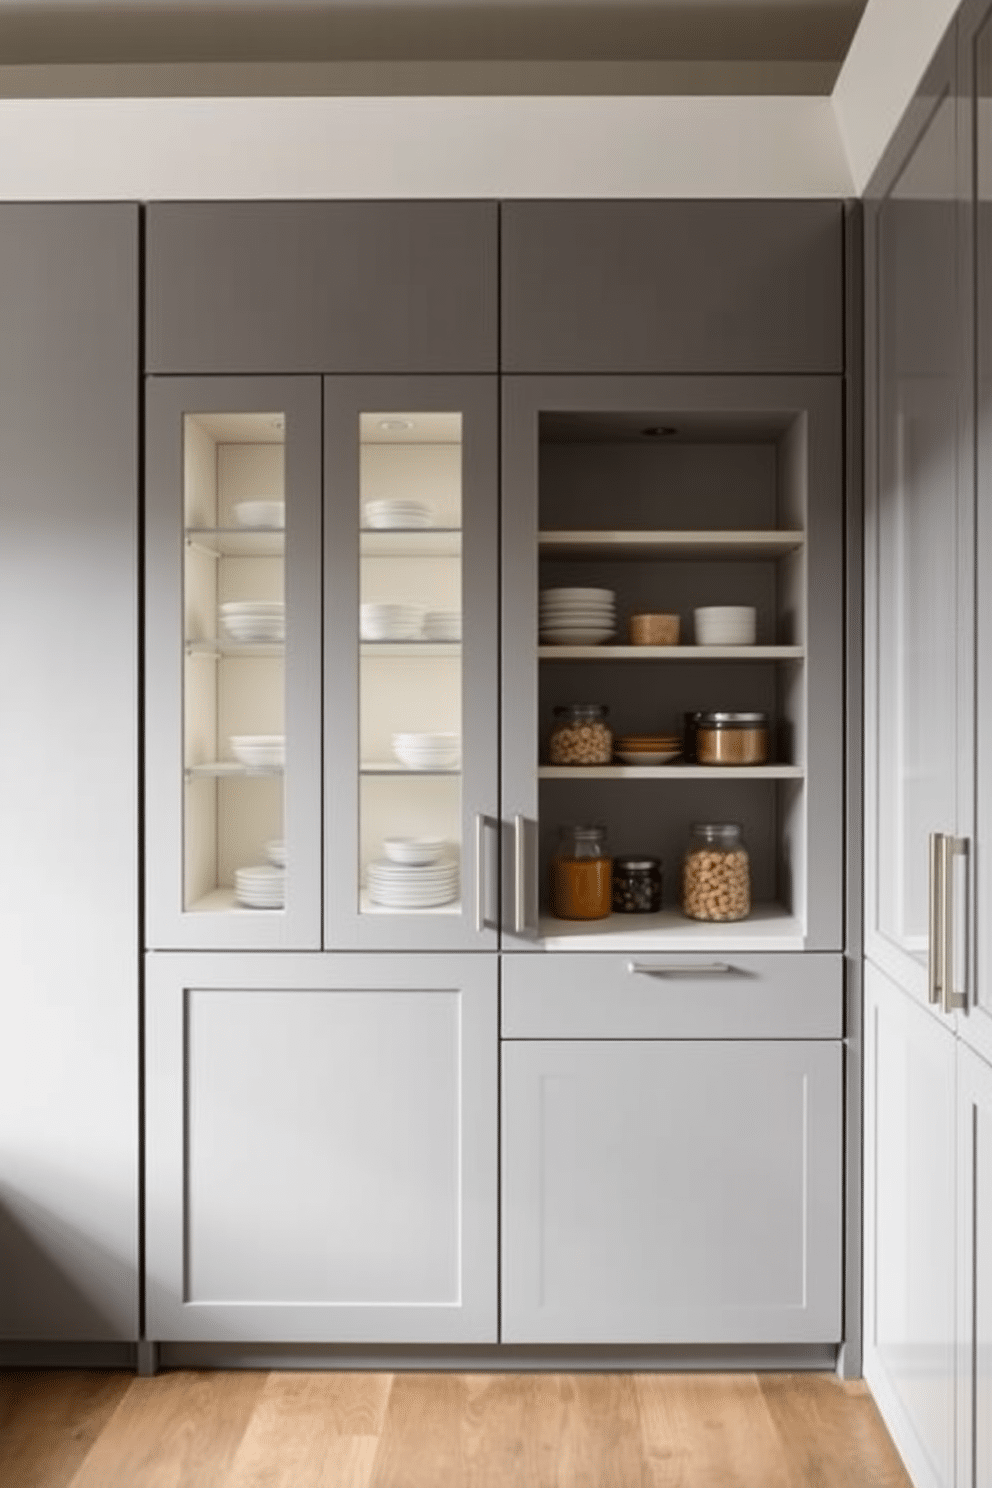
(187,1429)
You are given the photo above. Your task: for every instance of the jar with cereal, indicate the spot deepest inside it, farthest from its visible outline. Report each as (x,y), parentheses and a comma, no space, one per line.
(716,873)
(581,735)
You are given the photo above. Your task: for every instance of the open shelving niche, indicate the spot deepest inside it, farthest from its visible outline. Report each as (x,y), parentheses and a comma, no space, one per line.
(744,482)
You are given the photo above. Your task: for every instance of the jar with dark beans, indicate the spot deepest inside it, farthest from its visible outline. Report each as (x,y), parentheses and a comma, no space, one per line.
(637,885)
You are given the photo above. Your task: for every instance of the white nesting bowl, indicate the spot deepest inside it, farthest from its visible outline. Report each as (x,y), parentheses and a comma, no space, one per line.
(725,625)
(415,851)
(259,749)
(260,513)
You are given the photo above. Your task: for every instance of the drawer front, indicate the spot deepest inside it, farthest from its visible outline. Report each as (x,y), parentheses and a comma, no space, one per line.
(602,995)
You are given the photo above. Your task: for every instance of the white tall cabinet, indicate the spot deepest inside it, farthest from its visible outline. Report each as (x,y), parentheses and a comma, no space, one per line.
(928,1241)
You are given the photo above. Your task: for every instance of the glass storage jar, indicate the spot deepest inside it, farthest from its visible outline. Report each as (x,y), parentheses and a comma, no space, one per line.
(581,735)
(636,885)
(581,874)
(716,873)
(731,738)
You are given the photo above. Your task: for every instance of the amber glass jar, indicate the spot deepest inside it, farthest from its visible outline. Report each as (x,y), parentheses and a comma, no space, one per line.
(581,874)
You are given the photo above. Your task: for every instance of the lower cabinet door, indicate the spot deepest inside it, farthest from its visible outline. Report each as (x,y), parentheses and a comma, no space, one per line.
(911,1228)
(974,1460)
(321,1148)
(681,1191)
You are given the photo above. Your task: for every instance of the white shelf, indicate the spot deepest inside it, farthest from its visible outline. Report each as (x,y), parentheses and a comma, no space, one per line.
(410,542)
(671,653)
(412,650)
(368,906)
(230,769)
(634,546)
(238,542)
(671,772)
(770,927)
(235,648)
(390,767)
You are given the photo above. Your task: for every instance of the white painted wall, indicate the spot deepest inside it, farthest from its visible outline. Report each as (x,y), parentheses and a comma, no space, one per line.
(185,148)
(891,51)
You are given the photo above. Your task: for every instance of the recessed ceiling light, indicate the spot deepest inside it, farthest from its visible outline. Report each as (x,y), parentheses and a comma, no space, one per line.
(659,431)
(395,425)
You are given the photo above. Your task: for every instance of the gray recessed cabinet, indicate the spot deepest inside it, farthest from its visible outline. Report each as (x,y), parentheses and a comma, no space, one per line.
(347,541)
(928,1026)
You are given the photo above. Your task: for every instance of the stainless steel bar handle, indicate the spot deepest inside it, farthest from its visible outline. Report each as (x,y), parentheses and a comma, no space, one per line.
(711,968)
(935,901)
(951,848)
(519,875)
(481,823)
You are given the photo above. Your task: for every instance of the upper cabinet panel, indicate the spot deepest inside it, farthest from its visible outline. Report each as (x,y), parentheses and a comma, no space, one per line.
(678,286)
(266,287)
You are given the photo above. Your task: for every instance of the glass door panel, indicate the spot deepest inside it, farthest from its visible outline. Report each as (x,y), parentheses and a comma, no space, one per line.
(233,662)
(421,830)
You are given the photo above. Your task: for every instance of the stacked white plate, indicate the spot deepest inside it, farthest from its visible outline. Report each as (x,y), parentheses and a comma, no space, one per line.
(398,512)
(261,887)
(260,751)
(413,886)
(391,622)
(443,625)
(427,751)
(577,617)
(275,851)
(247,620)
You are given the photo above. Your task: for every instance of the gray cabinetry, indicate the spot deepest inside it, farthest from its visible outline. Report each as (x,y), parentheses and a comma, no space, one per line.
(674,1192)
(682,286)
(321,1148)
(321,287)
(69,934)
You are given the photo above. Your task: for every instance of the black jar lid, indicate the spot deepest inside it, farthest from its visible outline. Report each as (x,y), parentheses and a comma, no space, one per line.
(635,865)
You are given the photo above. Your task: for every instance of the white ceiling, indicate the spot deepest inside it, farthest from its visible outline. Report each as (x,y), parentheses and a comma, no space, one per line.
(546,47)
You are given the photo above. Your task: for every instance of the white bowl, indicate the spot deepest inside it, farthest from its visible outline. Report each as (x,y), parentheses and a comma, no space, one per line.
(413,850)
(259,749)
(260,513)
(725,625)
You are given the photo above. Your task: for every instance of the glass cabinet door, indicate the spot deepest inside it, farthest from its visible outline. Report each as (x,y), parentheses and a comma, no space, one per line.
(233,672)
(411,663)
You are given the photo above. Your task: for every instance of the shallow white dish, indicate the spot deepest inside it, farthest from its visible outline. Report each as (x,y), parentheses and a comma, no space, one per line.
(275,851)
(260,513)
(575,593)
(413,850)
(259,749)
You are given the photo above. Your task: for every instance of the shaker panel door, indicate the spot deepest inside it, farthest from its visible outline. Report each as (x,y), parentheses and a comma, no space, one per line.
(679,1192)
(321,1149)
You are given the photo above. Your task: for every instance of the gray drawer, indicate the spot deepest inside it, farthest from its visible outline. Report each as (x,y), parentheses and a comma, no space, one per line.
(601,995)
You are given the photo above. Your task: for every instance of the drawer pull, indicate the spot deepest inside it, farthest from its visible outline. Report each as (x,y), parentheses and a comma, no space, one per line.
(711,968)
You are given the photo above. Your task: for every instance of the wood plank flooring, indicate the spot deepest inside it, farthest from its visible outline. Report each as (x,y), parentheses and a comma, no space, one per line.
(245,1429)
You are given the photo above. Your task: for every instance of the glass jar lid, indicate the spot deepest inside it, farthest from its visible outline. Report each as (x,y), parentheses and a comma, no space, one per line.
(581,710)
(731,720)
(636,865)
(717,832)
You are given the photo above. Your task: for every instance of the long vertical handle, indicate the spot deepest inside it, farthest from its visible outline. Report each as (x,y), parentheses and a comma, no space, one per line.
(481,823)
(520,926)
(951,848)
(935,939)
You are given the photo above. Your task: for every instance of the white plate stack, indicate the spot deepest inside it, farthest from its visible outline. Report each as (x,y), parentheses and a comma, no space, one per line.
(260,513)
(259,751)
(427,751)
(578,617)
(254,620)
(443,625)
(275,851)
(391,622)
(398,512)
(260,887)
(413,885)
